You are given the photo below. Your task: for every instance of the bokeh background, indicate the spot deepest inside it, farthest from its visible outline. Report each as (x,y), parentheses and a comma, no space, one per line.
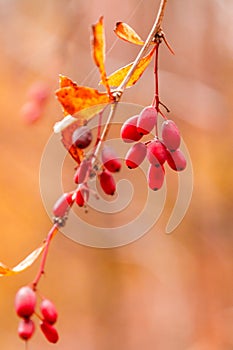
(164,292)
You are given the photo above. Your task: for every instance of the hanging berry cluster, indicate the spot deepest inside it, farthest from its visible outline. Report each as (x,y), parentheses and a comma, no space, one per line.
(80,104)
(157,151)
(25,305)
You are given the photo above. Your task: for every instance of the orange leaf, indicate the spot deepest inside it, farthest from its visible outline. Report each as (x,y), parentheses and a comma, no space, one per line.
(99,51)
(116,78)
(125,32)
(23,265)
(76,98)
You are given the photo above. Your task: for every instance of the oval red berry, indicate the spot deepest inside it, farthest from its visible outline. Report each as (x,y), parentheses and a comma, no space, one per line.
(146,120)
(170,135)
(48,311)
(156,153)
(135,155)
(129,131)
(81,173)
(63,204)
(107,182)
(26,328)
(155,177)
(82,196)
(25,302)
(110,159)
(82,137)
(50,332)
(176,160)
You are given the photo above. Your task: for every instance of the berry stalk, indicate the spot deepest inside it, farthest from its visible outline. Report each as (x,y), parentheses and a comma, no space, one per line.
(48,239)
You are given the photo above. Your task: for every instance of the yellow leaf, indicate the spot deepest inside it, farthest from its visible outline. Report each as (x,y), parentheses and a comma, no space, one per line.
(116,78)
(23,265)
(99,51)
(125,32)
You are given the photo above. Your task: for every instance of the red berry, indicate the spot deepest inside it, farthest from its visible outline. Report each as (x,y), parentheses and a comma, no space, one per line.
(50,332)
(147,120)
(82,196)
(48,311)
(107,182)
(155,177)
(26,328)
(63,203)
(81,172)
(170,135)
(39,91)
(135,155)
(110,159)
(25,302)
(129,131)
(176,160)
(156,153)
(82,137)
(31,111)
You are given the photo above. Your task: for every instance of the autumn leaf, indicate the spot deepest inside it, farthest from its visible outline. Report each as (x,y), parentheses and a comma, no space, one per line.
(116,78)
(125,32)
(75,98)
(99,51)
(23,265)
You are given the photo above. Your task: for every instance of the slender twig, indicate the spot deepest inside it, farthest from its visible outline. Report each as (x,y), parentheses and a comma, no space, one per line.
(154,30)
(118,94)
(48,239)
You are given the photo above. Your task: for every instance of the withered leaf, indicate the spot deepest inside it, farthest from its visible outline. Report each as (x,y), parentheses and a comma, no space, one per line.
(116,78)
(125,32)
(67,133)
(75,98)
(23,265)
(99,51)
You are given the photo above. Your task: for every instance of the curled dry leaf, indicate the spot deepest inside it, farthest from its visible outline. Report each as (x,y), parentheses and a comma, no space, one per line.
(67,133)
(99,51)
(116,78)
(23,265)
(125,32)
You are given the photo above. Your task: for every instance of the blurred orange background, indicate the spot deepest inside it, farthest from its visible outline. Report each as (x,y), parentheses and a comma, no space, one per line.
(163,292)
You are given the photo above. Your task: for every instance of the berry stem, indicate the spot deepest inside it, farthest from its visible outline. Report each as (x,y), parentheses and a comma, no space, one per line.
(48,239)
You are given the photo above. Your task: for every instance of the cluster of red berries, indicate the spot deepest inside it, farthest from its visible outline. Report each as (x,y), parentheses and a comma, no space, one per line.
(157,151)
(110,163)
(25,305)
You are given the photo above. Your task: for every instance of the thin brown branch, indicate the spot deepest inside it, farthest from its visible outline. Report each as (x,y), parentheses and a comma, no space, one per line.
(154,30)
